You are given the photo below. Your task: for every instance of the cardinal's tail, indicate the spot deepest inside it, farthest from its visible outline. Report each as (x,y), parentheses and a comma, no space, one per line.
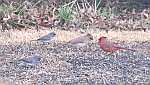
(126,48)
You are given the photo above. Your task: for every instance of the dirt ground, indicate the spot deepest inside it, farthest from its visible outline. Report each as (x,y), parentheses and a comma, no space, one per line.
(64,64)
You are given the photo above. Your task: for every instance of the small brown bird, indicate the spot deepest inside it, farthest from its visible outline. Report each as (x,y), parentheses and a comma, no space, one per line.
(81,40)
(108,46)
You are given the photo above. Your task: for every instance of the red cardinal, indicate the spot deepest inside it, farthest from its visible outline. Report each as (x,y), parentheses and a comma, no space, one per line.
(109,46)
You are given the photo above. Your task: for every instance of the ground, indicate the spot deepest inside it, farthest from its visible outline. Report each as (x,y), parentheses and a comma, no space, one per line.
(64,64)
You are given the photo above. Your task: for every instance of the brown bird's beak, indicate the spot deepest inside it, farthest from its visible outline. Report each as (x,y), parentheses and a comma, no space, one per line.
(90,36)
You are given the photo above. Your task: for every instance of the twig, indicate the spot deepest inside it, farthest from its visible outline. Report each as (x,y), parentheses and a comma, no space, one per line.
(54,12)
(73,3)
(36,3)
(78,6)
(70,3)
(87,3)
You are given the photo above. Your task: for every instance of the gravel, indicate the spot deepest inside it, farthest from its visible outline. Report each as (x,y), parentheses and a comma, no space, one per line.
(64,64)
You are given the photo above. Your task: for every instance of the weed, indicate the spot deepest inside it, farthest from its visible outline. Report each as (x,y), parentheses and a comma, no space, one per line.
(66,13)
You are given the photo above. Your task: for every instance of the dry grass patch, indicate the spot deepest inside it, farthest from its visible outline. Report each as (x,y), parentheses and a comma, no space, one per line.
(16,36)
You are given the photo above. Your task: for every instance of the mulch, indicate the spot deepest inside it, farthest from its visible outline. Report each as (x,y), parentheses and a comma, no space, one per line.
(64,64)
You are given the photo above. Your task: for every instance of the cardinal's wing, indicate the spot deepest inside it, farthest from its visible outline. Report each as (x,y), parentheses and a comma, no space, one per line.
(109,44)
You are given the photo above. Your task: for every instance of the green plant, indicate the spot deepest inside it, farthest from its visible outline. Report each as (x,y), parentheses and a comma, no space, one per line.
(97,4)
(10,8)
(65,13)
(19,12)
(108,13)
(5,8)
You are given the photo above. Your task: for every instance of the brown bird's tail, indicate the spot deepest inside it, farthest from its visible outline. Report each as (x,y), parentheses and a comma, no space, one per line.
(34,40)
(126,48)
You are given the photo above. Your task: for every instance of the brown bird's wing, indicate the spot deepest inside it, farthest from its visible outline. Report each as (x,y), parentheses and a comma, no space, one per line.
(81,39)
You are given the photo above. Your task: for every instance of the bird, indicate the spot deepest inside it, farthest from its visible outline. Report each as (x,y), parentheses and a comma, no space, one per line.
(32,60)
(50,37)
(81,40)
(109,46)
